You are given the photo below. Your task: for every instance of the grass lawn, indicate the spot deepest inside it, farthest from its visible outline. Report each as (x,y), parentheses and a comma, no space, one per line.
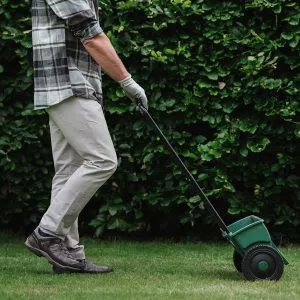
(153,270)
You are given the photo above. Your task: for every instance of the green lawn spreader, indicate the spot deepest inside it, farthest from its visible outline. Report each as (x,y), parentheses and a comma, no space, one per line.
(255,254)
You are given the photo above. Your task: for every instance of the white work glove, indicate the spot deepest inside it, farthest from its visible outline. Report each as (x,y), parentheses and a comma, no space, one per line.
(134,91)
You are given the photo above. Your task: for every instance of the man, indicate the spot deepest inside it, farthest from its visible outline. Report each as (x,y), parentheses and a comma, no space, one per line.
(69,49)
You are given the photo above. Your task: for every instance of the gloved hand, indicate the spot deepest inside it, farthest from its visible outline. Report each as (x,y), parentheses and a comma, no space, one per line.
(134,91)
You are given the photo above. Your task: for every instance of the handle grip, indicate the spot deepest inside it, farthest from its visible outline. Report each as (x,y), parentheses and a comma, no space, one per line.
(140,108)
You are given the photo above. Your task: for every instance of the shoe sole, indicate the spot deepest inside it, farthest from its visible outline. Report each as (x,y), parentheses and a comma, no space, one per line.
(42,253)
(81,271)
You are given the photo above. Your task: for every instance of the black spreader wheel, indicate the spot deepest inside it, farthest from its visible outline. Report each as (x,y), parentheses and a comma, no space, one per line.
(237,260)
(262,262)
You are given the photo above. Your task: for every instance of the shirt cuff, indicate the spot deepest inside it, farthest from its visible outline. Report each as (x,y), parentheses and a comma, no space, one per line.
(90,30)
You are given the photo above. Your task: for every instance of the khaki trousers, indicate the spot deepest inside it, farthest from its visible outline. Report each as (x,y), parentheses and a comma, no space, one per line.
(84,159)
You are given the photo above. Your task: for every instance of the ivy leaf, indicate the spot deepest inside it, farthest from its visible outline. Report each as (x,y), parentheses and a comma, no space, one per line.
(212,76)
(294,20)
(246,125)
(244,152)
(287,36)
(294,42)
(195,199)
(112,211)
(258,145)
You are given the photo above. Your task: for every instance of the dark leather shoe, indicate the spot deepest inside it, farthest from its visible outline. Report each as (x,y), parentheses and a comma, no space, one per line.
(88,267)
(55,251)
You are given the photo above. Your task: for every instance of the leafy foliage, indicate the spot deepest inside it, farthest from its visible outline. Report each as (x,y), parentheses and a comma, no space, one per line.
(222,78)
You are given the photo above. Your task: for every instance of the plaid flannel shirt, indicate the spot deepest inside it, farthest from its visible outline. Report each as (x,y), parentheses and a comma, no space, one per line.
(62,66)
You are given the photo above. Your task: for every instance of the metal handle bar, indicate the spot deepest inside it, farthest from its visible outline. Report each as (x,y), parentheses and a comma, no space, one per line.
(188,175)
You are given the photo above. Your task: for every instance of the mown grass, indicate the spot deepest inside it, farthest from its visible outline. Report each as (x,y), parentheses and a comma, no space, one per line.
(148,270)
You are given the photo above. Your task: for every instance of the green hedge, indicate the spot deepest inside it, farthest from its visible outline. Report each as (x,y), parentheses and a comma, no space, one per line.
(223,81)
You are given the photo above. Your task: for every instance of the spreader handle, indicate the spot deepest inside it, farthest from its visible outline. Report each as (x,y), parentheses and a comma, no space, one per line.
(188,175)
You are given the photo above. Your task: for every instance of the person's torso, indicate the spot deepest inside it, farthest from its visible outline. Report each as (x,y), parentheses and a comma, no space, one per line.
(62,66)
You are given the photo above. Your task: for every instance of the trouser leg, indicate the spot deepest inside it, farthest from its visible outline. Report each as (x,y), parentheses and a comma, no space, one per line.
(66,162)
(83,125)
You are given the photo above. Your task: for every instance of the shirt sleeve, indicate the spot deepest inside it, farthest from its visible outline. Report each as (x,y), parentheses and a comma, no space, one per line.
(79,17)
